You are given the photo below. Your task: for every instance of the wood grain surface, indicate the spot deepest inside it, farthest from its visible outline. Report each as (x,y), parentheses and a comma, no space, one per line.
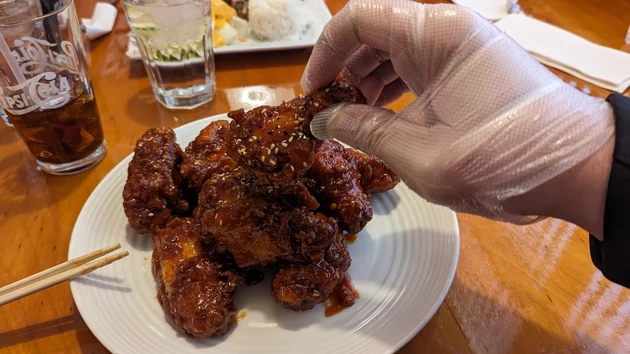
(517,289)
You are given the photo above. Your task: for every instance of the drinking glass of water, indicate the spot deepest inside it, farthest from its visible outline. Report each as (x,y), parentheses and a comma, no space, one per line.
(175,40)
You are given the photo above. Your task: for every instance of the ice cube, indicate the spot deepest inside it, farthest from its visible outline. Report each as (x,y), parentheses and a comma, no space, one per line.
(36,135)
(76,139)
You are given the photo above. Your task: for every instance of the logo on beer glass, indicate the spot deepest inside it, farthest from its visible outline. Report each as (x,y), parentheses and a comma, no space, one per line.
(44,88)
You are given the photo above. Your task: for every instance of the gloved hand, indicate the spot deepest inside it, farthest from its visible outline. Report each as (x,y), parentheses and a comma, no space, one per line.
(488,123)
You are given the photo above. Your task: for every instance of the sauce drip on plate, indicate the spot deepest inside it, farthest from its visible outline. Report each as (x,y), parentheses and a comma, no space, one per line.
(350,238)
(344,295)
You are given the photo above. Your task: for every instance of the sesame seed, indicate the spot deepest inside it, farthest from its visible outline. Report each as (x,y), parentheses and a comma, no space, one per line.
(339,182)
(273,163)
(296,115)
(250,140)
(292,168)
(290,139)
(326,90)
(276,151)
(301,119)
(151,214)
(304,164)
(284,144)
(213,181)
(268,151)
(264,110)
(220,222)
(262,158)
(272,146)
(216,216)
(295,122)
(316,104)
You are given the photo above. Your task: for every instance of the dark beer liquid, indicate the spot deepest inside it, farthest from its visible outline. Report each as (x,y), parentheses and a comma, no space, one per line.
(62,135)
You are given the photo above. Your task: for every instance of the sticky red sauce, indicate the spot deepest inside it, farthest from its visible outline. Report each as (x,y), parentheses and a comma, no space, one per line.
(332,306)
(344,296)
(350,238)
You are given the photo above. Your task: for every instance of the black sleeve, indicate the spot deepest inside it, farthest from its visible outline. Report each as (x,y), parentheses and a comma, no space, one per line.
(612,256)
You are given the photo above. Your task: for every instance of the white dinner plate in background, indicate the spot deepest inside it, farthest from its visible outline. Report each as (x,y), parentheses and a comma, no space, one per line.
(318,11)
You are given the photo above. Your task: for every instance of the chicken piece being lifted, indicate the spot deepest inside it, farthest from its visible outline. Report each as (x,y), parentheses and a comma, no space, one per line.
(277,140)
(376,176)
(206,155)
(196,289)
(153,190)
(256,230)
(338,187)
(299,286)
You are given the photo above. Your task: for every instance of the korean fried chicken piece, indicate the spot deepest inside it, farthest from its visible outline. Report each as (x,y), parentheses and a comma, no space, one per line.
(206,155)
(376,176)
(195,290)
(153,191)
(300,286)
(256,230)
(295,191)
(339,188)
(277,140)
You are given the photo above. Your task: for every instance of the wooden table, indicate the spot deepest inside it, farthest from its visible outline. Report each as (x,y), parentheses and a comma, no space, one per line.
(517,290)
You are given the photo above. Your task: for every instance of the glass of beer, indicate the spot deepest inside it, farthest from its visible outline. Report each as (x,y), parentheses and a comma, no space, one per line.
(175,40)
(45,87)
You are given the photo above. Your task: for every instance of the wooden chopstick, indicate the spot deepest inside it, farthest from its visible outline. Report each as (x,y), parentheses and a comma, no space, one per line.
(72,263)
(59,273)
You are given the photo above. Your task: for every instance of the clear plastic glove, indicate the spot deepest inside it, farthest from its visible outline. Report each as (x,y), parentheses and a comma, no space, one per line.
(488,123)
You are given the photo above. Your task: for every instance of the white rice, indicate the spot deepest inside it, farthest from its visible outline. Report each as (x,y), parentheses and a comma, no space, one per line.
(276,20)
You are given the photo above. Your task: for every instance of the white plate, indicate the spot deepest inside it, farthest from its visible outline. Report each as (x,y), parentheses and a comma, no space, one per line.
(318,11)
(402,264)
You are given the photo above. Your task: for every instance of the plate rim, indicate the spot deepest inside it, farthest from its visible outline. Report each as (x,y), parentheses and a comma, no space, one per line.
(454,261)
